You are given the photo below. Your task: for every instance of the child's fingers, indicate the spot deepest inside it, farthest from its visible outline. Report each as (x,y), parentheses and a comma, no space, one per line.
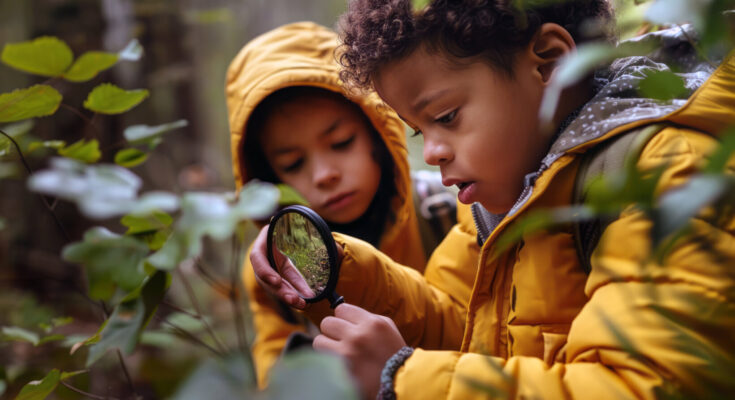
(269,278)
(325,343)
(352,313)
(336,328)
(294,277)
(259,260)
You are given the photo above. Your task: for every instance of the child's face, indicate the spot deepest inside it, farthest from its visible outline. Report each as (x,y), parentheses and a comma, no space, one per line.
(323,149)
(480,127)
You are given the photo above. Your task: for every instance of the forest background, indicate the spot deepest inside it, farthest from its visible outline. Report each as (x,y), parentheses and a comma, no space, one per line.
(130,295)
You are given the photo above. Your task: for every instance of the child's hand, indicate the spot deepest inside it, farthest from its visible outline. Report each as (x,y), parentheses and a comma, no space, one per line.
(365,339)
(269,278)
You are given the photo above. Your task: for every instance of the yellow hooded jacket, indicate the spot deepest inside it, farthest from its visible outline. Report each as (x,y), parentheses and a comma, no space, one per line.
(536,325)
(302,54)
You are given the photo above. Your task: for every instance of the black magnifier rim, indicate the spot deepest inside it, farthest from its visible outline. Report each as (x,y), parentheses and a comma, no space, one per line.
(326,235)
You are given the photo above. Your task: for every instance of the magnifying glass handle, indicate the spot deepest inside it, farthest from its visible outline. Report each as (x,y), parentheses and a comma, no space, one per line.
(335,300)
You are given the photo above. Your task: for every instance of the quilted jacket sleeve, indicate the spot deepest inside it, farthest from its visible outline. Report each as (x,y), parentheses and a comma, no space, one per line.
(429,309)
(649,330)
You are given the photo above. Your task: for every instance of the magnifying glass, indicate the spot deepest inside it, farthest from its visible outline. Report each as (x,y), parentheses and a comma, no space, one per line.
(301,249)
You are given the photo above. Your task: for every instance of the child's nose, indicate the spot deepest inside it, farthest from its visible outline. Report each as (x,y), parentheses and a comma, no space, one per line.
(326,174)
(436,152)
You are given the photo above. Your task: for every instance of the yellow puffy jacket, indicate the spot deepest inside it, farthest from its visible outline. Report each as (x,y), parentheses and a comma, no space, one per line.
(537,326)
(302,54)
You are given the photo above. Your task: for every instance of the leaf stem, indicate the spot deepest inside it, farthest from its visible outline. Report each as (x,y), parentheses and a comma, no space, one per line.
(234,300)
(198,308)
(83,393)
(192,338)
(86,119)
(43,199)
(212,281)
(127,373)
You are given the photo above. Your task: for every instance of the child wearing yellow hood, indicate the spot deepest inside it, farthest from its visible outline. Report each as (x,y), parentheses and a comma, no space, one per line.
(291,121)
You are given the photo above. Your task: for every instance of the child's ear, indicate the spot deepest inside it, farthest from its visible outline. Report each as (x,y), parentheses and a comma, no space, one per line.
(548,46)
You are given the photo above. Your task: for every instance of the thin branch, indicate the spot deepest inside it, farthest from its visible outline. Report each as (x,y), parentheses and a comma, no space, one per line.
(198,308)
(83,393)
(86,119)
(192,338)
(43,199)
(179,309)
(211,281)
(234,298)
(127,373)
(696,47)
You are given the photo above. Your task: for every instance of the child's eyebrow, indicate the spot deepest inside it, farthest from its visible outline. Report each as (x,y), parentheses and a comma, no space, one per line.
(426,100)
(331,127)
(284,150)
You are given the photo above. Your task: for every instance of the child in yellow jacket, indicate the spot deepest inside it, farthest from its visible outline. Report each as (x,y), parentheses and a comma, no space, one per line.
(470,75)
(292,123)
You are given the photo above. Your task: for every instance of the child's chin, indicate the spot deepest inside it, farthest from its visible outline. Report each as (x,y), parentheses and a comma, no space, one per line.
(495,207)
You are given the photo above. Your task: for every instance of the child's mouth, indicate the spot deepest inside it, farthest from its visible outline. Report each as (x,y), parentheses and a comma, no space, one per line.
(466,192)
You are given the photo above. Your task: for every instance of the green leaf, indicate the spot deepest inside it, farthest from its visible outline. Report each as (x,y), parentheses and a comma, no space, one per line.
(719,158)
(310,374)
(662,85)
(67,375)
(16,132)
(229,378)
(49,144)
(124,327)
(18,129)
(83,150)
(110,99)
(153,228)
(100,191)
(132,52)
(14,333)
(130,157)
(290,196)
(55,323)
(150,135)
(51,338)
(186,322)
(120,332)
(110,260)
(9,170)
(679,205)
(89,64)
(61,321)
(39,390)
(663,12)
(214,215)
(174,250)
(45,56)
(581,63)
(147,223)
(32,102)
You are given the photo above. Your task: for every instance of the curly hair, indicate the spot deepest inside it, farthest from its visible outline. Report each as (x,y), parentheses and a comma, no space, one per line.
(376,32)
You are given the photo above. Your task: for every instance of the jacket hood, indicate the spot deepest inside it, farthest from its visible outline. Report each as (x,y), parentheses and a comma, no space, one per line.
(707,105)
(302,54)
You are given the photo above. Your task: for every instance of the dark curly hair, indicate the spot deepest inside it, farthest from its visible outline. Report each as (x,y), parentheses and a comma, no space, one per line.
(376,32)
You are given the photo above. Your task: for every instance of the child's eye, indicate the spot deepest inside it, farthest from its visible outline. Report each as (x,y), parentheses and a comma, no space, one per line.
(447,118)
(294,166)
(417,132)
(343,144)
